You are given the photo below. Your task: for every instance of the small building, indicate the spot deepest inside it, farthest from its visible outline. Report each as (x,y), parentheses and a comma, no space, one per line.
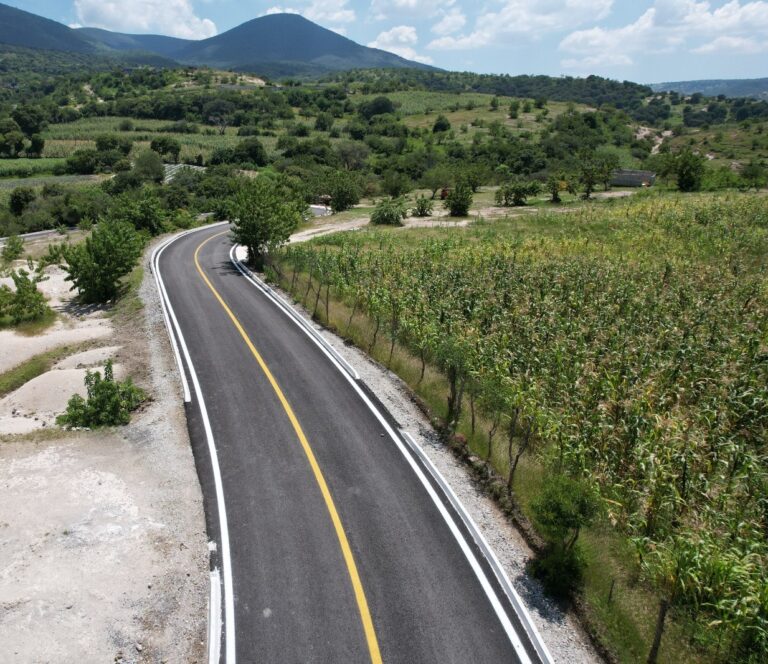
(625,177)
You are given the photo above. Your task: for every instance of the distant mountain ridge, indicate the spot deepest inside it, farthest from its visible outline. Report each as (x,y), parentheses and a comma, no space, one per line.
(273,45)
(747,87)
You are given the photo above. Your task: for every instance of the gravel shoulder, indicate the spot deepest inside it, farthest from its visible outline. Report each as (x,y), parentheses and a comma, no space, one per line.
(103,547)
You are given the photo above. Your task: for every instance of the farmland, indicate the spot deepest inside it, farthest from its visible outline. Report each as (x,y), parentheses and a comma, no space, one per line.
(621,345)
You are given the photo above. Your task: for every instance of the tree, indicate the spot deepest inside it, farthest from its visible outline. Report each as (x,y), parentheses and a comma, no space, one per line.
(144,213)
(20,198)
(166,145)
(378,106)
(149,166)
(607,163)
(264,214)
(324,122)
(36,146)
(11,138)
(514,109)
(250,151)
(590,172)
(437,178)
(109,142)
(352,154)
(754,175)
(689,169)
(343,190)
(96,266)
(563,507)
(395,184)
(83,162)
(31,119)
(459,199)
(442,124)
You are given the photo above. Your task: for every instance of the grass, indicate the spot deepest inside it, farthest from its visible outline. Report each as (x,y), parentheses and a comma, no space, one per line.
(27,167)
(14,378)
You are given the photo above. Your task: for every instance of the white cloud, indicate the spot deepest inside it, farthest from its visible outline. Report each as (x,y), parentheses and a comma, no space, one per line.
(400,40)
(452,21)
(176,18)
(321,11)
(673,26)
(521,18)
(382,9)
(732,46)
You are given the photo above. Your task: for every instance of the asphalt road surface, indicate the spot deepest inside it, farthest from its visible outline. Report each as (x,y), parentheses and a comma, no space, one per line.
(335,550)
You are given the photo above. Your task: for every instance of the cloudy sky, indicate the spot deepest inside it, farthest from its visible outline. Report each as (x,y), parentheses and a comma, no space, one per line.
(641,40)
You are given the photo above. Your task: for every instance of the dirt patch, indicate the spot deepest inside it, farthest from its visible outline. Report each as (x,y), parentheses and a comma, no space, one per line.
(103,548)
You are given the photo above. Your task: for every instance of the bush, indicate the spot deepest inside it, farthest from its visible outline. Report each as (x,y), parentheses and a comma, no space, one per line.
(459,200)
(389,212)
(26,303)
(423,207)
(516,192)
(108,402)
(442,124)
(96,266)
(13,248)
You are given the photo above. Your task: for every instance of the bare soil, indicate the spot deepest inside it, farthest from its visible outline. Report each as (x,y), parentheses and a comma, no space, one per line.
(103,549)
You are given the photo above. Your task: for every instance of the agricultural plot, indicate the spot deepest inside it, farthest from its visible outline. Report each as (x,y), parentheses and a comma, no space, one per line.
(624,346)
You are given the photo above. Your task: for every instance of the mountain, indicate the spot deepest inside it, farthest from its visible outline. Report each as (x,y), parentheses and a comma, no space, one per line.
(275,45)
(117,41)
(288,40)
(747,87)
(20,28)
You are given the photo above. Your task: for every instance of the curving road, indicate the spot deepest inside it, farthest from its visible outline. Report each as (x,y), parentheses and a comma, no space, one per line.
(333,540)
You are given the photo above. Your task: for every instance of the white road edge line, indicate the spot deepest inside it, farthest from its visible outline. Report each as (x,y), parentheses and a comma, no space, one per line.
(226,560)
(517,603)
(470,556)
(214,618)
(289,311)
(166,317)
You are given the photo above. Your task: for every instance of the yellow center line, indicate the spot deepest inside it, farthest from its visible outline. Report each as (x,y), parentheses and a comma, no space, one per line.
(362,603)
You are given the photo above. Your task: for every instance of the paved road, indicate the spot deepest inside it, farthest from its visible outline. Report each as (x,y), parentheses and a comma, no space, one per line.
(338,552)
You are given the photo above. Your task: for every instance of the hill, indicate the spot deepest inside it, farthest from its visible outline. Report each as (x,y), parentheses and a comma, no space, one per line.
(275,45)
(20,28)
(160,44)
(748,87)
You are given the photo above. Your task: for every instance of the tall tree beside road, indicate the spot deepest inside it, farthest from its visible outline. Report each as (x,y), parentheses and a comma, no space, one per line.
(264,213)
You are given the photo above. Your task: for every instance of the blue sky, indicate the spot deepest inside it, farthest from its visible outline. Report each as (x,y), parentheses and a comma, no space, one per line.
(640,40)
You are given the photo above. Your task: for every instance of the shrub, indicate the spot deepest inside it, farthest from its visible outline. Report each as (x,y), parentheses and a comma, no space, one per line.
(96,266)
(442,124)
(13,248)
(389,212)
(28,303)
(459,200)
(516,192)
(108,402)
(423,207)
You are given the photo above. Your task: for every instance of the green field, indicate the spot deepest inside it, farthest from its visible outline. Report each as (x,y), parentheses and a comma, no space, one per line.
(627,339)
